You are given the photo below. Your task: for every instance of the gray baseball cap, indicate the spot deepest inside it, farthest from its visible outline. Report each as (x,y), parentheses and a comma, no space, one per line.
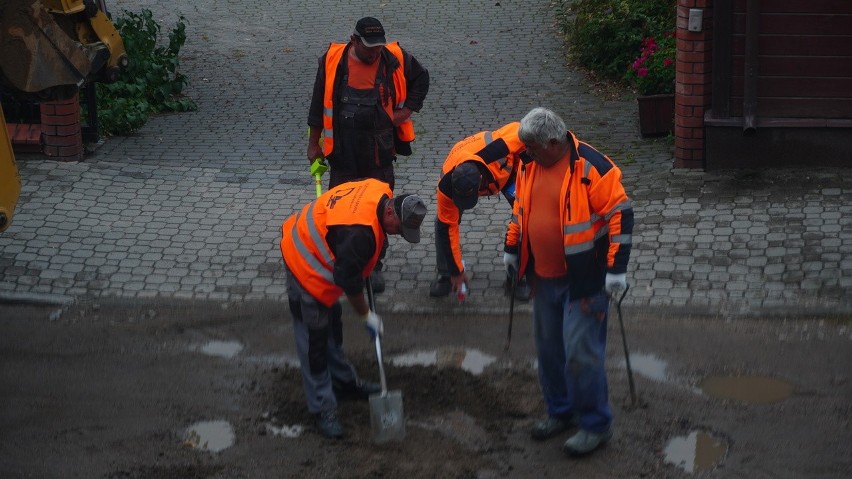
(411,210)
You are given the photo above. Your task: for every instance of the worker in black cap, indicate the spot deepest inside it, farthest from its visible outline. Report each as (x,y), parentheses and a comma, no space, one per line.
(483,164)
(360,115)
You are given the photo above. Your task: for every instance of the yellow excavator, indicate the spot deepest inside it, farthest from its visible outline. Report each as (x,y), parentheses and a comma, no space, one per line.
(49,49)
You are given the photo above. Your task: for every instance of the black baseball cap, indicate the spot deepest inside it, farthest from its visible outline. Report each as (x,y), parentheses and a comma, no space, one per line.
(411,210)
(371,32)
(466,180)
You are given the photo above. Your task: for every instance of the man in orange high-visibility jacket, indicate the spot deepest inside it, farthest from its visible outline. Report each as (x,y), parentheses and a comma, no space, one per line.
(330,247)
(571,226)
(483,164)
(364,94)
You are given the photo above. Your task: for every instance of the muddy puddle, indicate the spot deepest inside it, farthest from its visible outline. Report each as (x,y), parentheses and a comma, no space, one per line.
(213,436)
(470,360)
(699,451)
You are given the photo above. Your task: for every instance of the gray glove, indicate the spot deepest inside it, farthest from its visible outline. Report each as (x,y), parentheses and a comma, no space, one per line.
(511,262)
(374,324)
(615,283)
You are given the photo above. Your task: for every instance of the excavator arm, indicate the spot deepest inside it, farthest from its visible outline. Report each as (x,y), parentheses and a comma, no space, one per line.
(49,49)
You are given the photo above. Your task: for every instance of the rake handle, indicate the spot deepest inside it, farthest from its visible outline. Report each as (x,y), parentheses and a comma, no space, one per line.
(626,352)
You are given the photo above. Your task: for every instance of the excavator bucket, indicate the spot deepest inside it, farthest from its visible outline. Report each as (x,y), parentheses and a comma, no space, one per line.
(50,48)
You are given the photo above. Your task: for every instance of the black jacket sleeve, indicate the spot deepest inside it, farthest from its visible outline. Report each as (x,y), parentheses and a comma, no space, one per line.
(417,79)
(353,246)
(315,111)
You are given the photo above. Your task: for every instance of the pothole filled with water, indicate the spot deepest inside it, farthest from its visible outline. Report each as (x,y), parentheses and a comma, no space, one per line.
(649,366)
(213,436)
(470,360)
(750,389)
(699,451)
(222,349)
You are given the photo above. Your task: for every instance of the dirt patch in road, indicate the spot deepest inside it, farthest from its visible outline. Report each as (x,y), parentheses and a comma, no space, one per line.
(115,389)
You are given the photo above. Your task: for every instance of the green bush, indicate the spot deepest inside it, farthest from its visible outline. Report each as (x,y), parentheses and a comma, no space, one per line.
(606,36)
(150,84)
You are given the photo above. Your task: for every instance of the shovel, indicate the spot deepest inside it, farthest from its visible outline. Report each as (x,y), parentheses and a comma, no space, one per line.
(387,420)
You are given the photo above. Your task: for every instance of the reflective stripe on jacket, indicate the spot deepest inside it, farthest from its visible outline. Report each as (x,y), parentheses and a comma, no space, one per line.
(499,152)
(597,219)
(333,57)
(303,235)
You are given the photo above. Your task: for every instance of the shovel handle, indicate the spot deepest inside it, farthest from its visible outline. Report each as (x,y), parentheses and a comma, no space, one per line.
(318,181)
(372,302)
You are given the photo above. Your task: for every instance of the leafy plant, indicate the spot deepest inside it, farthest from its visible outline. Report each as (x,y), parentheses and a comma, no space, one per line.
(653,72)
(603,35)
(151,83)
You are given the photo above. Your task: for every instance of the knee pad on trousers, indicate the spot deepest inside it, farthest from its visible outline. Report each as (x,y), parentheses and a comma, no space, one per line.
(318,350)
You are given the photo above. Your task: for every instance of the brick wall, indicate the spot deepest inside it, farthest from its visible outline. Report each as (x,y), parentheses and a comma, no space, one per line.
(60,128)
(693,80)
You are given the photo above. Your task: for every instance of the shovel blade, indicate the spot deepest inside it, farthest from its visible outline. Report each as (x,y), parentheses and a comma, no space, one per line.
(387,419)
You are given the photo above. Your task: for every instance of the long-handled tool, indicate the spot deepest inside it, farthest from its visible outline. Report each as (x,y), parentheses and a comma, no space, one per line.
(513,280)
(626,352)
(387,419)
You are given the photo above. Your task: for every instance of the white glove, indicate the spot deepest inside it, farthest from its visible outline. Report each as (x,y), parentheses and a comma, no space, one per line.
(615,283)
(511,262)
(373,323)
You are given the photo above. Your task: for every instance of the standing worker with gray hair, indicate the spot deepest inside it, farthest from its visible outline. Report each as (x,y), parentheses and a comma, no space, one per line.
(330,248)
(364,94)
(571,226)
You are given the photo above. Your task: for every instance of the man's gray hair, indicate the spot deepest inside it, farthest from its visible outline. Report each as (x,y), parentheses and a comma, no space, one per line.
(541,125)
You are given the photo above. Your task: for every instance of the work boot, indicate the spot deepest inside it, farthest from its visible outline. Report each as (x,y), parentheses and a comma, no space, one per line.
(440,287)
(328,425)
(378,281)
(585,442)
(549,427)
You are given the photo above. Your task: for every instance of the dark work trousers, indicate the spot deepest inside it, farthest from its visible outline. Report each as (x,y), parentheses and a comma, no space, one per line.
(364,143)
(318,331)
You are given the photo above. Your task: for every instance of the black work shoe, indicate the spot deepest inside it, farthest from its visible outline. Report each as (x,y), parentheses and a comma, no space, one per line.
(356,391)
(328,425)
(440,287)
(547,428)
(378,281)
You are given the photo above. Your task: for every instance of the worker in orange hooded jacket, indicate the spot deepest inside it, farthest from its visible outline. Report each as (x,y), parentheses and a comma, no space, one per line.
(571,227)
(483,164)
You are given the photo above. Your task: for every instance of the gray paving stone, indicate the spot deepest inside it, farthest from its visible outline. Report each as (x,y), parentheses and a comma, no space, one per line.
(191,206)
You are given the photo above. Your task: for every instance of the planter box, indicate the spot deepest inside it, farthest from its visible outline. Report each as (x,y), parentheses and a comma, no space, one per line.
(656,114)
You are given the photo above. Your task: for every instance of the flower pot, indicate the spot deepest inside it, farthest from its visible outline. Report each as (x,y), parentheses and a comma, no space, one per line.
(656,114)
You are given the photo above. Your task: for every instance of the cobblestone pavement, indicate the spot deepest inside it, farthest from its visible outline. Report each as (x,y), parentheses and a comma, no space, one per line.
(191,205)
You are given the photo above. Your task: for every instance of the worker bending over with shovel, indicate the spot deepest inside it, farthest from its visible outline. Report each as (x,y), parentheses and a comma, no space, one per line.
(483,164)
(571,226)
(330,247)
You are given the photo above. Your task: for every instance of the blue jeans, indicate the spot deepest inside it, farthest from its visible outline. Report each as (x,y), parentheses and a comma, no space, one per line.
(570,338)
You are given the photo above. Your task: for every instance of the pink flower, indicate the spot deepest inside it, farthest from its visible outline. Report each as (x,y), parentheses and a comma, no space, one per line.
(642,72)
(667,62)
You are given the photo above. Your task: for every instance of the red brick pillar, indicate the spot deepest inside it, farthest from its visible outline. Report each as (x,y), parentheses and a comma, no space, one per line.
(693,81)
(60,128)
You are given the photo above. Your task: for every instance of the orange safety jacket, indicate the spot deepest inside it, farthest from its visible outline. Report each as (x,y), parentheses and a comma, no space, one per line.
(404,132)
(303,235)
(597,219)
(499,152)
